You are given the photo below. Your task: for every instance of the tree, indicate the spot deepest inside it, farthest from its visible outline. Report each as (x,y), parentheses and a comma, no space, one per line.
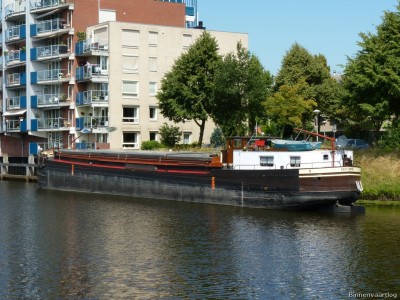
(241,85)
(372,76)
(187,91)
(312,74)
(288,105)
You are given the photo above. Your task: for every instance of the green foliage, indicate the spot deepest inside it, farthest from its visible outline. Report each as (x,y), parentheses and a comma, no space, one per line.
(372,77)
(241,85)
(151,145)
(81,35)
(309,76)
(187,91)
(288,105)
(391,138)
(217,138)
(170,135)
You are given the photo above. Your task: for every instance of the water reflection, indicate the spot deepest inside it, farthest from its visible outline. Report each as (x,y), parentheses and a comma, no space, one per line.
(66,245)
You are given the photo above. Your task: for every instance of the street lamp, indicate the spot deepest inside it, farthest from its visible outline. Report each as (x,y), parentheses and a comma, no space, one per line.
(316,112)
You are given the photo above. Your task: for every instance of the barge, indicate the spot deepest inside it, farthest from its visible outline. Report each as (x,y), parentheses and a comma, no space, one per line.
(249,173)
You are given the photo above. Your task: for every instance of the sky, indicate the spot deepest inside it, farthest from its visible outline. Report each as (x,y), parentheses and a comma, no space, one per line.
(327,27)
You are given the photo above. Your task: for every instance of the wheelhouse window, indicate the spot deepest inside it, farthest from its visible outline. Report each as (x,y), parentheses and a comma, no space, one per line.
(295,161)
(266,161)
(130,115)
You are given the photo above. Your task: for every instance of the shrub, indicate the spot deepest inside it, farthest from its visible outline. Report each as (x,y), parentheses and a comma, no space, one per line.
(170,135)
(150,145)
(217,138)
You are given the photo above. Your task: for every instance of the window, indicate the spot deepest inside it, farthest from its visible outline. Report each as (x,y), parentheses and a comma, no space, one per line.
(152,88)
(130,38)
(130,115)
(153,38)
(130,64)
(130,89)
(186,137)
(153,135)
(295,161)
(153,64)
(186,41)
(326,156)
(266,161)
(130,140)
(153,113)
(103,62)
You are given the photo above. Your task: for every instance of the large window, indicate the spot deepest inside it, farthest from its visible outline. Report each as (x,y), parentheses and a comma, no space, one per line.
(130,89)
(187,137)
(130,115)
(153,113)
(153,39)
(130,64)
(153,64)
(130,140)
(186,41)
(130,38)
(152,88)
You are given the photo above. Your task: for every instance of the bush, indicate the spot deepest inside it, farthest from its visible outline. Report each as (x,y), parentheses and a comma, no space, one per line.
(217,138)
(391,138)
(170,135)
(150,145)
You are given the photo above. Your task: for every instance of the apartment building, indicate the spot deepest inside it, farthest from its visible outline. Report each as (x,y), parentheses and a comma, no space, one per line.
(121,67)
(73,71)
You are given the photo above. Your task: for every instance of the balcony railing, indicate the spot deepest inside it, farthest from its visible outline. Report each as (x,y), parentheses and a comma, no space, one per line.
(16,79)
(15,8)
(92,97)
(90,71)
(53,123)
(15,56)
(13,102)
(41,4)
(50,26)
(95,121)
(49,75)
(16,32)
(13,125)
(48,51)
(50,99)
(88,46)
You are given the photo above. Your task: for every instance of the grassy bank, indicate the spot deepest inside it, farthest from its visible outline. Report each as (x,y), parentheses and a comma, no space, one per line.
(380,174)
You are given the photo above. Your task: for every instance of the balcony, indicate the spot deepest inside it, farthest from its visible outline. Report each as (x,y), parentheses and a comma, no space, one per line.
(15,57)
(52,124)
(49,100)
(92,97)
(49,52)
(13,125)
(16,102)
(45,4)
(16,80)
(87,48)
(50,76)
(15,9)
(97,124)
(92,73)
(49,27)
(15,33)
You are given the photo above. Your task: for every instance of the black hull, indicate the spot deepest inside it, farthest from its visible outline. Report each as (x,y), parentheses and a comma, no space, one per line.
(269,189)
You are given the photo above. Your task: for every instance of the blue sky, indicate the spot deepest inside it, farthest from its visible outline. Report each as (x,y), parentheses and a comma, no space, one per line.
(328,27)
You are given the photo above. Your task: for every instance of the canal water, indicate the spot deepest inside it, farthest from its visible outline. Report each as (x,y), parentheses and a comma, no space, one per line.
(59,245)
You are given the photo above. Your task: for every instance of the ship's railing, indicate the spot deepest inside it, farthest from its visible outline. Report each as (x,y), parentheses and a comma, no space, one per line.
(312,165)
